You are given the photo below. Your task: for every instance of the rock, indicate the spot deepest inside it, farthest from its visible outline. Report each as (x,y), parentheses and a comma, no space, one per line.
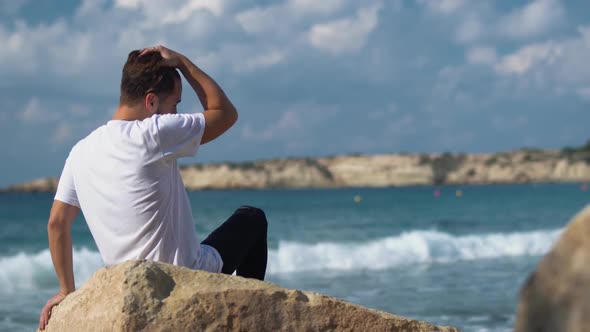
(378,171)
(37,185)
(556,297)
(150,296)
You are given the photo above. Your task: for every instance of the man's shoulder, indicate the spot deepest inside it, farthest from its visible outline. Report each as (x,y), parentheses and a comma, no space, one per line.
(173,122)
(86,140)
(173,116)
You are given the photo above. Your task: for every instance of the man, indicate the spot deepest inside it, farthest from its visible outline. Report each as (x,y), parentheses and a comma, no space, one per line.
(125,179)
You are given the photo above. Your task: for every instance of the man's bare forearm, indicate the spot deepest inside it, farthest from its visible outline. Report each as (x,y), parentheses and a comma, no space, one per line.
(60,246)
(210,93)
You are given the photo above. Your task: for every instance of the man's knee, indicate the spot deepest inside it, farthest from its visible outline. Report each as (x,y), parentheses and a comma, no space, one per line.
(258,216)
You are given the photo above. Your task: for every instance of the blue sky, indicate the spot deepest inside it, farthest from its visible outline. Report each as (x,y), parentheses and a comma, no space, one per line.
(309,78)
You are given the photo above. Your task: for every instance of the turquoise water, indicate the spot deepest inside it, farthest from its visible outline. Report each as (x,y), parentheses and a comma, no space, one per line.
(449,260)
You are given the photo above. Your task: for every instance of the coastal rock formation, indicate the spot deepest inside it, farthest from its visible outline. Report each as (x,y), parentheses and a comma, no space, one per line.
(37,185)
(150,296)
(523,166)
(556,297)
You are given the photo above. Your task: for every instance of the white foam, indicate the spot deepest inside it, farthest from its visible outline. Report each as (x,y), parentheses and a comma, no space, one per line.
(35,271)
(407,248)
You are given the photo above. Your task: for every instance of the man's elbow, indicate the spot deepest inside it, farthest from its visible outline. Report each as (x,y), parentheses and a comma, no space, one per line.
(234,117)
(231,113)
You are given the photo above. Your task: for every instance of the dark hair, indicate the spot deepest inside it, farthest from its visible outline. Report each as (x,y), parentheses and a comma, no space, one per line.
(145,74)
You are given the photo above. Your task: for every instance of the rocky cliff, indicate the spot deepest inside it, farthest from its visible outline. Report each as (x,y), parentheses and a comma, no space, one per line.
(150,296)
(520,166)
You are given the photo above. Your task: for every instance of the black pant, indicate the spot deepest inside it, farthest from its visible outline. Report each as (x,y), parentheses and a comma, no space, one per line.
(241,242)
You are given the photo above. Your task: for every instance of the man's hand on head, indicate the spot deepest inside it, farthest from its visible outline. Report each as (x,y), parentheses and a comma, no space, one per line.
(171,58)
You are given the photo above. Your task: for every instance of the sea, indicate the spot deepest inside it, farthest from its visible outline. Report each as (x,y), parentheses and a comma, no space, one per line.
(449,255)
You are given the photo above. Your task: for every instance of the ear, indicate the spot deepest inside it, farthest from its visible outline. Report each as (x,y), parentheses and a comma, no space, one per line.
(151,103)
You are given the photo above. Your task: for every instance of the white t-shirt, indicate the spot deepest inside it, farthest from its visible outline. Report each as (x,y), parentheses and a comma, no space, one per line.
(125,179)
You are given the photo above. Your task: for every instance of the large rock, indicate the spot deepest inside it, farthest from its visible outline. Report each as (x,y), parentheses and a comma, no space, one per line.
(150,296)
(556,297)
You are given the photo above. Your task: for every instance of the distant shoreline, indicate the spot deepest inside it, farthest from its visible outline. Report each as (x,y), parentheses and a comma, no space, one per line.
(376,171)
(10,190)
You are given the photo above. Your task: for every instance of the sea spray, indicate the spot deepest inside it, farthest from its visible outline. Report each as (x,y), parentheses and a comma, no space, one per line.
(35,271)
(412,247)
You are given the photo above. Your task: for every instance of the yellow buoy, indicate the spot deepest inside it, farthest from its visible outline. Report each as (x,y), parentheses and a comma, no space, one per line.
(357,198)
(458,193)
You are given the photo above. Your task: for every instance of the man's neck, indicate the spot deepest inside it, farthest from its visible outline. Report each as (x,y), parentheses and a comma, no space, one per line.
(130,113)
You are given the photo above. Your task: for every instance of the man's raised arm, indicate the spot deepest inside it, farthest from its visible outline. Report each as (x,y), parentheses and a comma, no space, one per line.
(60,245)
(220,114)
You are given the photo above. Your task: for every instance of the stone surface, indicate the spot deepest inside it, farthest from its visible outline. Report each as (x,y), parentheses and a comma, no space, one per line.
(149,296)
(556,297)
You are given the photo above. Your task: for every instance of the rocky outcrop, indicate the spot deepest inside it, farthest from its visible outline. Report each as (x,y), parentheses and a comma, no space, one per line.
(521,166)
(37,185)
(149,296)
(556,297)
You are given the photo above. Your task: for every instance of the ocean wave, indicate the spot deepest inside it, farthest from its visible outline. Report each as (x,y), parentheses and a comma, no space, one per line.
(26,271)
(414,247)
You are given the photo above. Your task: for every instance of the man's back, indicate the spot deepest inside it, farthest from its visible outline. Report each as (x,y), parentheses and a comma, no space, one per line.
(126,181)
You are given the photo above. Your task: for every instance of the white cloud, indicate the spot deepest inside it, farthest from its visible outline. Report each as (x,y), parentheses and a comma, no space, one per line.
(51,49)
(82,46)
(264,60)
(565,59)
(482,55)
(476,20)
(62,133)
(584,92)
(89,7)
(11,7)
(345,35)
(535,18)
(468,19)
(258,20)
(296,122)
(443,6)
(37,110)
(183,13)
(32,111)
(127,4)
(25,46)
(289,122)
(79,111)
(242,58)
(560,66)
(529,57)
(285,16)
(159,14)
(315,6)
(421,61)
(470,29)
(175,11)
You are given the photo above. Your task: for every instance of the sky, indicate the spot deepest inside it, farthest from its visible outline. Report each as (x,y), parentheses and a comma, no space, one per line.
(308,77)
